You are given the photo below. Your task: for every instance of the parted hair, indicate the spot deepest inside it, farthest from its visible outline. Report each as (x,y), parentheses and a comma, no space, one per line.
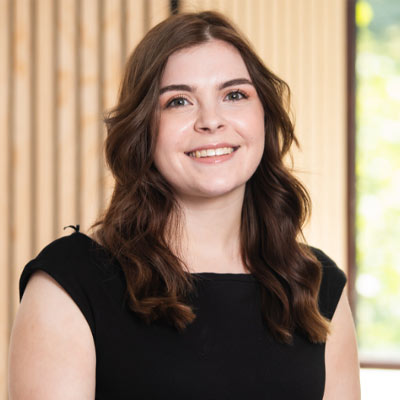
(143,213)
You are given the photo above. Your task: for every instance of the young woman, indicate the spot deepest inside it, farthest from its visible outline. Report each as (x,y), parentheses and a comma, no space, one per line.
(195,283)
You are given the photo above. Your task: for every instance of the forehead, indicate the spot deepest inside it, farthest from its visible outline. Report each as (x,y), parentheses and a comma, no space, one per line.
(208,63)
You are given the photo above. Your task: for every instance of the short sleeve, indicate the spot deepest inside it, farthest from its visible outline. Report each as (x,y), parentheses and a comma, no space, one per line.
(66,261)
(332,284)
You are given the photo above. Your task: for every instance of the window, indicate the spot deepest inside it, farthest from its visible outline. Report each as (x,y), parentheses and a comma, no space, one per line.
(377,168)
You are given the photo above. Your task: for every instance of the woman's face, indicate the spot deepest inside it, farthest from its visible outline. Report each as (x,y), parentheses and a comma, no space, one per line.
(211,129)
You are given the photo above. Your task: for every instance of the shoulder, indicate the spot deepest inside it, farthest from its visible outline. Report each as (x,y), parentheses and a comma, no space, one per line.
(332,283)
(54,322)
(78,265)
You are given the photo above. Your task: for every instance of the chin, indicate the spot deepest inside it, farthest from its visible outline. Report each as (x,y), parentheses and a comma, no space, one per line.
(219,190)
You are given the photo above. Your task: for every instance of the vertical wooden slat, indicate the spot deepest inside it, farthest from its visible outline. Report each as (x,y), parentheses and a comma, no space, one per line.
(141,15)
(33,125)
(136,23)
(101,132)
(5,89)
(90,115)
(159,10)
(112,51)
(45,106)
(66,118)
(305,113)
(280,34)
(317,128)
(292,52)
(78,111)
(336,120)
(303,109)
(21,144)
(267,19)
(299,66)
(124,30)
(112,56)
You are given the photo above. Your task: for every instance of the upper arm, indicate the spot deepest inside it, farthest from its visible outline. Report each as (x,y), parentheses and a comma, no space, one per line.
(341,358)
(52,352)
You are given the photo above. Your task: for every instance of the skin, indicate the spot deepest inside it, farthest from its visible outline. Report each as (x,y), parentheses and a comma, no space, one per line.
(210,194)
(52,352)
(341,356)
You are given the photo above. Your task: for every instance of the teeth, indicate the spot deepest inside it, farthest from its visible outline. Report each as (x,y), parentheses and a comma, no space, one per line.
(211,152)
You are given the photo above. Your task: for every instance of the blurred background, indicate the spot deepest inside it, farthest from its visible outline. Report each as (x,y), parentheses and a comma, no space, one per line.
(61,65)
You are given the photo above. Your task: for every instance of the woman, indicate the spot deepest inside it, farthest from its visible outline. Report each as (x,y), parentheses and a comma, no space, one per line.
(195,284)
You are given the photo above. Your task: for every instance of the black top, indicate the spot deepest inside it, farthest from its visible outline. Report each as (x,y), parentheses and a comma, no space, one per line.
(226,353)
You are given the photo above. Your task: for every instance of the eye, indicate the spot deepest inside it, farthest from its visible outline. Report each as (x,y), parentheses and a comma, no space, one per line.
(236,95)
(177,102)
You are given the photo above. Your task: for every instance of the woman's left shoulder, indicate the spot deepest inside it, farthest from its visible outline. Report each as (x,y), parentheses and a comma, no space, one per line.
(332,284)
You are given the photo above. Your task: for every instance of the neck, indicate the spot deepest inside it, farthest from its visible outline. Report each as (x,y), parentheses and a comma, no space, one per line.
(211,233)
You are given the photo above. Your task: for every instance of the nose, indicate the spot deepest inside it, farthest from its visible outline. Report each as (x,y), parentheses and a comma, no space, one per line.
(208,119)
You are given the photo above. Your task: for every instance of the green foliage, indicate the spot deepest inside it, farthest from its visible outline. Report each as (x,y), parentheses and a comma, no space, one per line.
(378,176)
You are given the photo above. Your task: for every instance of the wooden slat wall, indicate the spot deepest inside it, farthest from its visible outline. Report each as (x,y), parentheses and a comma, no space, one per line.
(60,70)
(304,42)
(5,167)
(61,67)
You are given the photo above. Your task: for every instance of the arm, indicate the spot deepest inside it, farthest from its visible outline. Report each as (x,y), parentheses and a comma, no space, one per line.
(52,353)
(341,358)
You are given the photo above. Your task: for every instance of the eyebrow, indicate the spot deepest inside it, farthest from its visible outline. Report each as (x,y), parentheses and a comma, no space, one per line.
(187,88)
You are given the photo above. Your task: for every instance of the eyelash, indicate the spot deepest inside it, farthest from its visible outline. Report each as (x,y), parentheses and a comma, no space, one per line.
(182,97)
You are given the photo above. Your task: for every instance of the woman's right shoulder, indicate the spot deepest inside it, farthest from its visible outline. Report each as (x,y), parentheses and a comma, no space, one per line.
(71,263)
(52,349)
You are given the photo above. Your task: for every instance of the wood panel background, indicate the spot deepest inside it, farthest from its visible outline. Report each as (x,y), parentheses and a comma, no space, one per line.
(61,67)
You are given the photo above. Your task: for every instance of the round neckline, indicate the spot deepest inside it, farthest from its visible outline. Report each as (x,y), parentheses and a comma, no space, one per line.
(216,276)
(225,276)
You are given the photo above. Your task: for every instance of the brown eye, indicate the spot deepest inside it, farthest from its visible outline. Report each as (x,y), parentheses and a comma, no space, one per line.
(235,96)
(178,102)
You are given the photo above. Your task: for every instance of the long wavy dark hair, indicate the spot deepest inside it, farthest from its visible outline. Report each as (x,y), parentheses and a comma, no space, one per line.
(143,212)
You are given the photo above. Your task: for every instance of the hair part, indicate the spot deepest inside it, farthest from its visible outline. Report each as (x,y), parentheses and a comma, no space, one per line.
(143,213)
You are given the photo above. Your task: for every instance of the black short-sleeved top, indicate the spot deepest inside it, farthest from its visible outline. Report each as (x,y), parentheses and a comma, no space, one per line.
(226,353)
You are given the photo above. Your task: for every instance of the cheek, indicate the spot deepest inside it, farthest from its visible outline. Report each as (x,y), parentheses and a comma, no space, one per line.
(161,151)
(252,127)
(255,130)
(168,151)
(165,138)
(161,156)
(172,131)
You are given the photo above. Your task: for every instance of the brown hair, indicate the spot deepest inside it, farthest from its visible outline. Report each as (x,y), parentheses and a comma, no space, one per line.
(143,208)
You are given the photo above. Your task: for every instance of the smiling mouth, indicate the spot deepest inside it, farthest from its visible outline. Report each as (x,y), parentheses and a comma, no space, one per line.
(211,152)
